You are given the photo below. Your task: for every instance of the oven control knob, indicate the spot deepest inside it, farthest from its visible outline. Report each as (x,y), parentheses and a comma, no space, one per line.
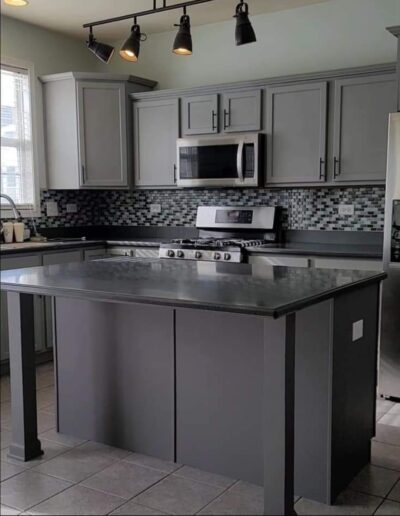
(171,253)
(180,254)
(227,257)
(198,255)
(217,256)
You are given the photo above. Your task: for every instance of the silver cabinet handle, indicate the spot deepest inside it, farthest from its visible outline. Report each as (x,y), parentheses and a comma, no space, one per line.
(175,179)
(322,169)
(239,161)
(214,121)
(83,172)
(336,167)
(226,119)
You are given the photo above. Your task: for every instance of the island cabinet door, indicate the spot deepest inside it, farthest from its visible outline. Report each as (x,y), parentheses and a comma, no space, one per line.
(219,385)
(115,370)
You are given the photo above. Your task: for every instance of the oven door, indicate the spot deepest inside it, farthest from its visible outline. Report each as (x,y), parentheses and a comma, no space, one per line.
(218,161)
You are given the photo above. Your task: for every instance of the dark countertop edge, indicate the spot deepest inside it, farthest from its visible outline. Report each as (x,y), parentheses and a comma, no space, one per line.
(378,255)
(276,313)
(53,246)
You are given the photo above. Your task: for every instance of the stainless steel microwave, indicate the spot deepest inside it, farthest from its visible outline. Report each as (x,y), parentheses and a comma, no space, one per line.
(219,161)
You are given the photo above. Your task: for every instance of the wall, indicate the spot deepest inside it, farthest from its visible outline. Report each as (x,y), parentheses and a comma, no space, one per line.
(304,208)
(50,52)
(327,36)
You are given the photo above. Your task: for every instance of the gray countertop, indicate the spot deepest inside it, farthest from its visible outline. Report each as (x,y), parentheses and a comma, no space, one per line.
(315,249)
(241,288)
(29,247)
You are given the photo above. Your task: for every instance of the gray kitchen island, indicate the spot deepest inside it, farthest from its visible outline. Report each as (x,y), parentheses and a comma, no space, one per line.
(267,374)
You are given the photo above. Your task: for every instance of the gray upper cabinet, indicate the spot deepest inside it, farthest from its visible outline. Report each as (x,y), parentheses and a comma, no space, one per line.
(362,106)
(156,129)
(242,111)
(296,133)
(102,132)
(200,115)
(87,127)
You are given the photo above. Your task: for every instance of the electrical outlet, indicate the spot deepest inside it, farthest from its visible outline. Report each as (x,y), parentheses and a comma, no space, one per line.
(51,209)
(155,208)
(346,209)
(72,208)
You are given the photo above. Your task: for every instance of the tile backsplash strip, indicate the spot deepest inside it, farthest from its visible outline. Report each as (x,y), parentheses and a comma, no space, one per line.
(304,208)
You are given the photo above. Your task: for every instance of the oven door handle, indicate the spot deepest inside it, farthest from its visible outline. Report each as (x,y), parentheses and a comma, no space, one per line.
(239,161)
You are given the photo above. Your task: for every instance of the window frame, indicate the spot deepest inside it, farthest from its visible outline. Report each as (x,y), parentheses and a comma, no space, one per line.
(27,210)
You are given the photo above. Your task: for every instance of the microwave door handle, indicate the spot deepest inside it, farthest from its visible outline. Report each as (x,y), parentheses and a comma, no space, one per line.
(240,161)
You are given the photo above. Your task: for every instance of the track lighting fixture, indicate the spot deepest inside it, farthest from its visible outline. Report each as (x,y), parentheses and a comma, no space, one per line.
(102,51)
(183,45)
(16,3)
(244,31)
(130,50)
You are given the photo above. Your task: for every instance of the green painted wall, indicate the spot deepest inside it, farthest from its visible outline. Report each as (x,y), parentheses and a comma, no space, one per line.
(326,36)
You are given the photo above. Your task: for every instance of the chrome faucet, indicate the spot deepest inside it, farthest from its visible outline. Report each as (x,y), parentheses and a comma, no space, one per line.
(17,214)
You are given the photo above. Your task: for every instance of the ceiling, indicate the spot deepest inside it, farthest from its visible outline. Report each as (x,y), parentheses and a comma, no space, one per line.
(68,16)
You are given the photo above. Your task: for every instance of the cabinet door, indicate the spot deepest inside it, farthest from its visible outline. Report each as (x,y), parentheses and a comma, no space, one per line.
(156,130)
(93,254)
(362,106)
(102,134)
(296,126)
(242,111)
(20,262)
(56,259)
(200,115)
(350,264)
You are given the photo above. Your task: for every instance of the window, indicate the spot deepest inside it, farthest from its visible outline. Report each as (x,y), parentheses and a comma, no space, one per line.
(17,168)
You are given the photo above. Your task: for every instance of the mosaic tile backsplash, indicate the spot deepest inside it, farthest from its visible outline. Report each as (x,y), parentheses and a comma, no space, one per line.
(304,208)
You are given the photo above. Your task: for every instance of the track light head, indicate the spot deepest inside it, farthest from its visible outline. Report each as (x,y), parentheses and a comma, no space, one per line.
(102,51)
(244,31)
(130,50)
(183,45)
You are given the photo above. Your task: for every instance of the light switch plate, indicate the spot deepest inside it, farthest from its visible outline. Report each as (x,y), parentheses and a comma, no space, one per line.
(72,208)
(155,208)
(51,209)
(358,330)
(346,209)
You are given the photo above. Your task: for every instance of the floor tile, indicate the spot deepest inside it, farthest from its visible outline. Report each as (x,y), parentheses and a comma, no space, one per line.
(152,462)
(385,455)
(5,413)
(202,476)
(5,458)
(387,434)
(8,470)
(389,508)
(134,509)
(66,440)
(124,479)
(5,438)
(45,421)
(374,480)
(29,488)
(74,466)
(179,496)
(391,419)
(235,504)
(395,409)
(384,405)
(249,490)
(50,450)
(8,510)
(78,500)
(45,397)
(395,493)
(5,392)
(44,379)
(348,503)
(93,448)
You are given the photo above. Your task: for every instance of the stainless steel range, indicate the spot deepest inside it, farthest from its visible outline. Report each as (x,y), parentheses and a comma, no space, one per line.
(226,233)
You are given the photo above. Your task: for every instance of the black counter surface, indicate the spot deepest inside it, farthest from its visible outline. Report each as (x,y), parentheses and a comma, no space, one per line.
(241,288)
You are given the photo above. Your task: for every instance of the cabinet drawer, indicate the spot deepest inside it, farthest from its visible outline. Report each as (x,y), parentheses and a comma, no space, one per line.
(348,263)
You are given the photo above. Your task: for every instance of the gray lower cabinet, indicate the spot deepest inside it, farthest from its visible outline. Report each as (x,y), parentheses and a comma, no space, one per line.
(19,262)
(362,107)
(297,133)
(242,111)
(200,115)
(156,129)
(102,131)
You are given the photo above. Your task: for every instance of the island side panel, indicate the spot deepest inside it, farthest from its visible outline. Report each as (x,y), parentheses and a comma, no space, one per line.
(115,370)
(25,444)
(354,386)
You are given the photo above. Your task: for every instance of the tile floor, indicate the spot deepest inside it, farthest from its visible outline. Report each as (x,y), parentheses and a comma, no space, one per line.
(78,478)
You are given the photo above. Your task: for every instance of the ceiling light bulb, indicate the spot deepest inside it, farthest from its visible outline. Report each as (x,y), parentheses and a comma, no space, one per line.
(130,50)
(183,45)
(17,3)
(244,31)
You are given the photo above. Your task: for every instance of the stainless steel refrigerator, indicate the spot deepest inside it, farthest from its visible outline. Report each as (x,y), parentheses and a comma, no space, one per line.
(389,371)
